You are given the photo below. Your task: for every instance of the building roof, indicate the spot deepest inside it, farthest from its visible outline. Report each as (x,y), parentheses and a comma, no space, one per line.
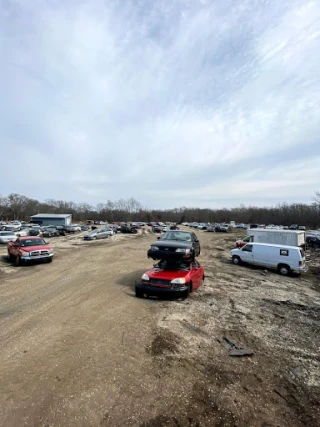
(47,215)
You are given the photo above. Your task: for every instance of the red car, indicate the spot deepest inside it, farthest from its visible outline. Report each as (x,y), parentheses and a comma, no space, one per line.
(243,242)
(28,249)
(171,277)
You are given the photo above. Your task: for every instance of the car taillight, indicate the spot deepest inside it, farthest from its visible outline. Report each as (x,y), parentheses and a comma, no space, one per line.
(300,263)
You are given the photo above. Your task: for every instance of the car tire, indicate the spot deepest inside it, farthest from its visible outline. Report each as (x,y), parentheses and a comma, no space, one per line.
(18,261)
(139,293)
(284,269)
(236,260)
(10,256)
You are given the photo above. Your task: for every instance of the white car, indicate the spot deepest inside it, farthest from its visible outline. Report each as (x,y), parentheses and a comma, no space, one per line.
(7,236)
(22,233)
(283,258)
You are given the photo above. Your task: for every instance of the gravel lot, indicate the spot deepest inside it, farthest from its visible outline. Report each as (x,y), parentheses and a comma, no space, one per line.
(78,349)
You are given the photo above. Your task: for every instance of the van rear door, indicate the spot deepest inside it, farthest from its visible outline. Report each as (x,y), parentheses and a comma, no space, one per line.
(302,262)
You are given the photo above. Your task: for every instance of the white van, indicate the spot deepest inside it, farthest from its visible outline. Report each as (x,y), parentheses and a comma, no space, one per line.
(285,259)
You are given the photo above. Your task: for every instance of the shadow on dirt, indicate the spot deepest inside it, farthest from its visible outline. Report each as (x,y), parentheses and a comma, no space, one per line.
(5,259)
(129,280)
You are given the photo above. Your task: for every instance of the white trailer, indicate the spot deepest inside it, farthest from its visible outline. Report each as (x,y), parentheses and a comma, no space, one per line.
(277,237)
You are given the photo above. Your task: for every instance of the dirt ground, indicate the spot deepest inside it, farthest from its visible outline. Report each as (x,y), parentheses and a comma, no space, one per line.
(78,349)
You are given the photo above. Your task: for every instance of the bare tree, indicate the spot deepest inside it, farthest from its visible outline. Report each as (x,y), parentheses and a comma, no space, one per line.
(4,205)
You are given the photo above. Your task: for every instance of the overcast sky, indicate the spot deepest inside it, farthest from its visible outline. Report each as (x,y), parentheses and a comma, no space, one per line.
(205,103)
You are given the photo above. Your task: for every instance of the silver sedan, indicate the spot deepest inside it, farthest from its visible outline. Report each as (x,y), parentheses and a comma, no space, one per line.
(7,236)
(99,233)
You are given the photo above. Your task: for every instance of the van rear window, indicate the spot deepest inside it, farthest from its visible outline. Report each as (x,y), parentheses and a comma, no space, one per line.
(302,253)
(284,252)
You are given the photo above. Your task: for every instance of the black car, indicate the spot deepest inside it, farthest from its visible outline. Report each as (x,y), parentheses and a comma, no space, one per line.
(313,240)
(174,227)
(156,229)
(51,232)
(175,245)
(128,229)
(34,231)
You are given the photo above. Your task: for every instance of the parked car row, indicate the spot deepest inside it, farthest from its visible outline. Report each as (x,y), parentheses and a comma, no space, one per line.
(163,228)
(233,225)
(105,232)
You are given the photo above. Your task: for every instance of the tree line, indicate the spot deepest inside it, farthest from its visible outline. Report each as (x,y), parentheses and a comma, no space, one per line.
(17,206)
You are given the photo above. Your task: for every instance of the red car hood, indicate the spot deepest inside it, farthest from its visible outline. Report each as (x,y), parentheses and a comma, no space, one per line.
(157,273)
(36,248)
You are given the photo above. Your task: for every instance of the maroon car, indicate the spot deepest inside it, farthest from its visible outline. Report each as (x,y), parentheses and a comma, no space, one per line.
(171,277)
(28,249)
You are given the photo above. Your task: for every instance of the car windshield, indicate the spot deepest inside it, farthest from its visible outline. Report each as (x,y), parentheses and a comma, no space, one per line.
(32,242)
(6,233)
(173,235)
(173,265)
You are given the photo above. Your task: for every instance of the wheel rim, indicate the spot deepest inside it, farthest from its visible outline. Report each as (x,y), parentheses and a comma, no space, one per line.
(236,261)
(284,271)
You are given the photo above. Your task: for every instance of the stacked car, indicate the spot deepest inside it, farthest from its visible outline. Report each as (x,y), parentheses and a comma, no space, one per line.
(177,272)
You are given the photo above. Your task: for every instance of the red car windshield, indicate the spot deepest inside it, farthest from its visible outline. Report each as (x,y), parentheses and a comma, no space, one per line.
(32,242)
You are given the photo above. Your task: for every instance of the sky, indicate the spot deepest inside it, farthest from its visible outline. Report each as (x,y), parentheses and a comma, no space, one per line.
(196,103)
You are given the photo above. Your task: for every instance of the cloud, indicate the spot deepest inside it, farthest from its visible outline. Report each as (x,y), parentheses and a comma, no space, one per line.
(192,103)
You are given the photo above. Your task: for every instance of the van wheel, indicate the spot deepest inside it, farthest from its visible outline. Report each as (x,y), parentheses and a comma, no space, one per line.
(284,270)
(236,260)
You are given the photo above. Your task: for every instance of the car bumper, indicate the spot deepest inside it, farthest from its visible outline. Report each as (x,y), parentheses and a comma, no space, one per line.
(158,291)
(158,255)
(303,269)
(36,258)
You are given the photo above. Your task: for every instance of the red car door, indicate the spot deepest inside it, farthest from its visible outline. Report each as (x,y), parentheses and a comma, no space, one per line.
(196,274)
